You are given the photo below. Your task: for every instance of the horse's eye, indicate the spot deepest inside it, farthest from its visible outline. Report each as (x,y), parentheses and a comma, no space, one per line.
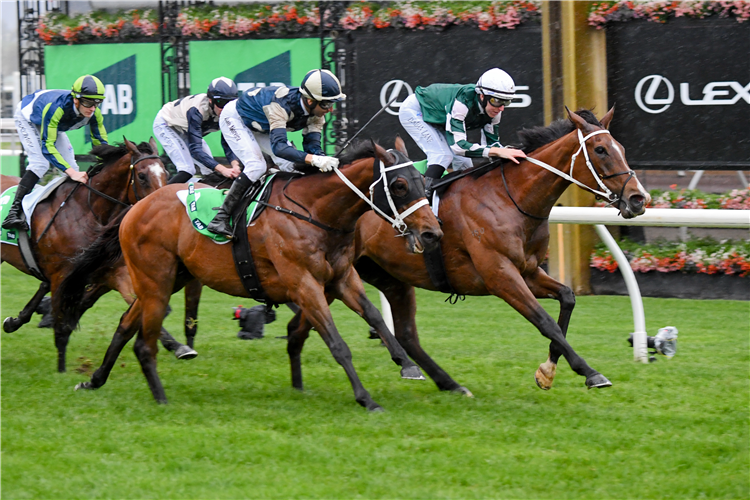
(600,150)
(142,177)
(399,188)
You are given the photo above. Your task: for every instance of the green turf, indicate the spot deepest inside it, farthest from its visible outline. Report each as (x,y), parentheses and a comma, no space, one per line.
(234,428)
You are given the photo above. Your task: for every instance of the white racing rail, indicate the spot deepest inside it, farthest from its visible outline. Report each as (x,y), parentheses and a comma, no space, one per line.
(598,217)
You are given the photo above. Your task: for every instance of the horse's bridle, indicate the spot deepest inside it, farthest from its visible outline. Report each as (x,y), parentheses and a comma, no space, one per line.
(605,193)
(397,221)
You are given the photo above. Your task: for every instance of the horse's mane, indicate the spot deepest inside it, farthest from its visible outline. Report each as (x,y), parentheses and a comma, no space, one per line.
(536,137)
(108,153)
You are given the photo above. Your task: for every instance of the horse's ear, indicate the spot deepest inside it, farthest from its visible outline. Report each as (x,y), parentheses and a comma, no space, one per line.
(152,143)
(577,120)
(400,145)
(606,119)
(131,147)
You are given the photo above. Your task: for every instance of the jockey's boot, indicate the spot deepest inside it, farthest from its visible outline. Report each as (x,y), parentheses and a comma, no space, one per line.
(15,219)
(180,177)
(433,173)
(220,224)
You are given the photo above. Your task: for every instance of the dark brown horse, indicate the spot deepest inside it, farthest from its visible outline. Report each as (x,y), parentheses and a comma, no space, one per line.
(65,223)
(496,237)
(305,259)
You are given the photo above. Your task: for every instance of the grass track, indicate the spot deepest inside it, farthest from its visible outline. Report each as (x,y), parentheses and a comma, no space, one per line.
(235,428)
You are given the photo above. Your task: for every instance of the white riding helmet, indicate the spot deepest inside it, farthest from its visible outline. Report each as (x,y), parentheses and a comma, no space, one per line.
(496,82)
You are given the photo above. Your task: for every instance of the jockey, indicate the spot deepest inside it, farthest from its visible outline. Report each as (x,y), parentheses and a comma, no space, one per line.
(437,117)
(42,118)
(258,122)
(181,126)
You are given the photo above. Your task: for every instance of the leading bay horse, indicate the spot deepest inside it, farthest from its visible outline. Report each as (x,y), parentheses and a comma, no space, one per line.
(496,235)
(302,258)
(66,222)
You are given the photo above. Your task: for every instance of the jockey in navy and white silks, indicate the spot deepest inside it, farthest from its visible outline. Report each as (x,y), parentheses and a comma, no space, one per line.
(258,122)
(437,117)
(181,125)
(42,118)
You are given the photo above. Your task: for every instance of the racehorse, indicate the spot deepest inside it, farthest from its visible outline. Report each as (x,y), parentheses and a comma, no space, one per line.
(305,259)
(64,224)
(496,235)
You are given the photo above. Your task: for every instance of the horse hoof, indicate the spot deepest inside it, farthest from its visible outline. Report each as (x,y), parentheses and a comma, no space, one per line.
(545,375)
(597,381)
(539,384)
(463,390)
(375,408)
(412,373)
(84,385)
(9,326)
(185,352)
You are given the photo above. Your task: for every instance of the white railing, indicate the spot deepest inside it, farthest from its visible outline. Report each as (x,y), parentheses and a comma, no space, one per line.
(672,217)
(8,134)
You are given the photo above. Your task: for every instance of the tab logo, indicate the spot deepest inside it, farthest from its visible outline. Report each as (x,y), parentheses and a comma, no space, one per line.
(273,72)
(119,107)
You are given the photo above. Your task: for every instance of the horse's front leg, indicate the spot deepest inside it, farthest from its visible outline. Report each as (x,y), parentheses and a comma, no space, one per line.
(11,324)
(298,330)
(404,310)
(308,294)
(505,281)
(128,326)
(543,287)
(352,293)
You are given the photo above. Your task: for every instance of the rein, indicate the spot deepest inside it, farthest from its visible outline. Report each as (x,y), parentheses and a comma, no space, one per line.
(397,221)
(606,193)
(131,181)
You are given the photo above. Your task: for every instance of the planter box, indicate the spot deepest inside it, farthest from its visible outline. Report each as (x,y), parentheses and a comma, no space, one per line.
(674,285)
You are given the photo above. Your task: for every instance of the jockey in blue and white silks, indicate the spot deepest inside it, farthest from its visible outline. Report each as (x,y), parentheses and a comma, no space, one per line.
(42,118)
(258,123)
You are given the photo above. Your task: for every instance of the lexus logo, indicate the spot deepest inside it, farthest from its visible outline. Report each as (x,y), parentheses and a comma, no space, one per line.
(654,83)
(397,89)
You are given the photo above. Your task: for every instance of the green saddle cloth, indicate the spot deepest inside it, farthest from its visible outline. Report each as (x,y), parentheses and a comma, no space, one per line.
(200,203)
(9,236)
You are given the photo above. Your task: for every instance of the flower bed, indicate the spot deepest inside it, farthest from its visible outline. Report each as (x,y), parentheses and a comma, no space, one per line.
(287,18)
(737,199)
(605,13)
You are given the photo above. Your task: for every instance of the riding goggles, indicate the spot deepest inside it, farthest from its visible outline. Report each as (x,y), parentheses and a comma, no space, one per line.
(87,102)
(220,103)
(497,102)
(325,104)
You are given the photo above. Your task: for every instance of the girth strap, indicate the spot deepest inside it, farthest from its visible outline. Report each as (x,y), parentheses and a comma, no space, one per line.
(243,257)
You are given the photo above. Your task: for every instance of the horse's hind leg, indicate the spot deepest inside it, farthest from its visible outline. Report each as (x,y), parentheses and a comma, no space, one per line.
(352,293)
(298,330)
(12,324)
(129,324)
(543,287)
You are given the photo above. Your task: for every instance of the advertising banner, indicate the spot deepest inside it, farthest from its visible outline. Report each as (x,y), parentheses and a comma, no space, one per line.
(130,74)
(393,63)
(252,63)
(682,91)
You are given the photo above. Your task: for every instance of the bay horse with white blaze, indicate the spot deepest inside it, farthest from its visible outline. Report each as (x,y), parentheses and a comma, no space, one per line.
(67,221)
(496,235)
(302,259)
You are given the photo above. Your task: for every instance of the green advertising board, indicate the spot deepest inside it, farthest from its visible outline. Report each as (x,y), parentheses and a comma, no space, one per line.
(252,63)
(131,74)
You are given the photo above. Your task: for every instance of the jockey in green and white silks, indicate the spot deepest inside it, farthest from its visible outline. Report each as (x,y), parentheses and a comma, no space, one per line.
(42,118)
(438,117)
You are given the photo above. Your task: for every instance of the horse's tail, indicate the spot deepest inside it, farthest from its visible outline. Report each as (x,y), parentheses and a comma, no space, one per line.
(89,268)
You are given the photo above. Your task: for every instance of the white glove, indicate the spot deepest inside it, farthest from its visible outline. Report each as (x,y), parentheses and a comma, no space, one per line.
(325,163)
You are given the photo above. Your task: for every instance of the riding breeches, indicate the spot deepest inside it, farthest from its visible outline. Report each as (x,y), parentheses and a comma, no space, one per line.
(428,137)
(175,145)
(32,145)
(248,145)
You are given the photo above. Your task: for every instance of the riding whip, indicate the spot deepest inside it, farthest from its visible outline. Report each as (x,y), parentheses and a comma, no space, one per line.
(365,125)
